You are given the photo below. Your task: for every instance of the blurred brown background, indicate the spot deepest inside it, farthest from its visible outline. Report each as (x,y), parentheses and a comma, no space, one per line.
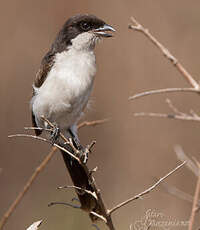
(130,152)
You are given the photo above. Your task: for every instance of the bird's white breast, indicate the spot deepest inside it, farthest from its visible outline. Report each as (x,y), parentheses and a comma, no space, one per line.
(66,89)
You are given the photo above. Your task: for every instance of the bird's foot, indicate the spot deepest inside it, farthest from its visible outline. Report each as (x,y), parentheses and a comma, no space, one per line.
(55,134)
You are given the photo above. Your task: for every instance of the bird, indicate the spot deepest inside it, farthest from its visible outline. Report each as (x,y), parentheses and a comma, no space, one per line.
(62,88)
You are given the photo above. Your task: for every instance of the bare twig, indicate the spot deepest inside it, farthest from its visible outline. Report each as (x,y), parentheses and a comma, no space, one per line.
(178,193)
(167,90)
(195,201)
(170,116)
(92,123)
(138,27)
(64,203)
(78,188)
(183,157)
(99,216)
(45,140)
(178,115)
(146,191)
(27,187)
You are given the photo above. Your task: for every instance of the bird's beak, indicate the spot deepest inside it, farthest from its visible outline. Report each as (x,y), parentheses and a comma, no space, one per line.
(103,31)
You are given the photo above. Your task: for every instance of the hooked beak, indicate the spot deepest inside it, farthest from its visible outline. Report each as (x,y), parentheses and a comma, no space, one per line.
(102,31)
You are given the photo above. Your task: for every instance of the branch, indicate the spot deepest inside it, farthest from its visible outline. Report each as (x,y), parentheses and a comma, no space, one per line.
(45,140)
(146,191)
(172,190)
(90,177)
(138,27)
(79,188)
(27,187)
(99,216)
(163,115)
(183,157)
(92,123)
(195,201)
(160,91)
(177,114)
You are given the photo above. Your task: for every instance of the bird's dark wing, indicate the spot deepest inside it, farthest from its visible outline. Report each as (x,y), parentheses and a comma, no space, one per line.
(46,64)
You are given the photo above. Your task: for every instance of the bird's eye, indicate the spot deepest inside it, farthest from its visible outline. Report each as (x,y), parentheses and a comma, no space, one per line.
(85,26)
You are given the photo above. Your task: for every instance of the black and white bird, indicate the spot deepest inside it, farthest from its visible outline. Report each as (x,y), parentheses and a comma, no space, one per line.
(63,85)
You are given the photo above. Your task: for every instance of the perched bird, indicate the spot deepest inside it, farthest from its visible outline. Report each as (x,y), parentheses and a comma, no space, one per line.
(63,85)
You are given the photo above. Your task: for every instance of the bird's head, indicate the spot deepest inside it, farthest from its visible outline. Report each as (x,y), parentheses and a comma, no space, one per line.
(82,32)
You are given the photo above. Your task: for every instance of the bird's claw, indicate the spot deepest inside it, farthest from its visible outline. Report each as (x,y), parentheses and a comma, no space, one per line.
(55,134)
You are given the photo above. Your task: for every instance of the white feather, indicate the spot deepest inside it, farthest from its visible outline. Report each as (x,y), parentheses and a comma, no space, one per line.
(66,90)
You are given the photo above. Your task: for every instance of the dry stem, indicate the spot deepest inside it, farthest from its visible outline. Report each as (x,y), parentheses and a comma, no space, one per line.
(160,91)
(101,203)
(92,123)
(177,115)
(146,191)
(178,193)
(183,157)
(195,201)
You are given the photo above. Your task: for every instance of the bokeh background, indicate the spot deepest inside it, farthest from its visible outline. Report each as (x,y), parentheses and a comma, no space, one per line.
(130,151)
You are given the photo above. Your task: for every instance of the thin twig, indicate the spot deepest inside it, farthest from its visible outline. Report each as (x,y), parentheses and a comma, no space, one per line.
(183,157)
(170,116)
(195,201)
(27,187)
(99,216)
(64,203)
(173,108)
(92,123)
(146,191)
(45,140)
(167,90)
(79,188)
(178,193)
(138,27)
(38,128)
(178,115)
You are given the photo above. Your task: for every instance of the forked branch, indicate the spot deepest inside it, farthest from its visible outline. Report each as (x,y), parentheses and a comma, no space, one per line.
(176,114)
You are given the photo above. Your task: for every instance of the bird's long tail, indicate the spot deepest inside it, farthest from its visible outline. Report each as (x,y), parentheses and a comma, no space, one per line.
(80,179)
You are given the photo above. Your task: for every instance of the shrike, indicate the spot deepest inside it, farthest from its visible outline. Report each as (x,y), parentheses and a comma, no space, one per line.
(63,85)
